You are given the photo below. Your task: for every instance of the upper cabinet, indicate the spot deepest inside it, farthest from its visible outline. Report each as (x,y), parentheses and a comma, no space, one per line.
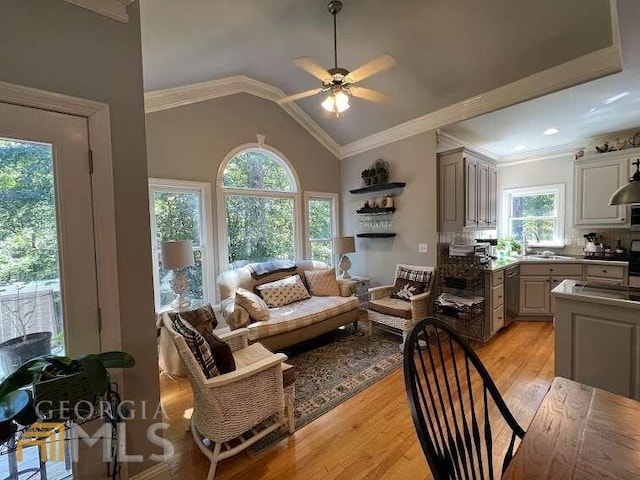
(467,191)
(596,177)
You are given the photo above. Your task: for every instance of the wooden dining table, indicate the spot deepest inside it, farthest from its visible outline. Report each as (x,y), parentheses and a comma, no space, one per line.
(579,433)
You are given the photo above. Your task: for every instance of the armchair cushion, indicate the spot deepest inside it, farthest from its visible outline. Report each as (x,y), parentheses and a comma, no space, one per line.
(391,306)
(322,283)
(198,346)
(256,307)
(201,318)
(221,352)
(410,281)
(283,292)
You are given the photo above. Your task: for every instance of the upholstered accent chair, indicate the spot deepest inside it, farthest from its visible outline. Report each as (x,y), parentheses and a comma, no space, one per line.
(394,307)
(244,405)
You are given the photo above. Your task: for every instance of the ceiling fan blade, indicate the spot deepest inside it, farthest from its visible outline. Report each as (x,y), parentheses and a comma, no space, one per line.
(299,95)
(368,94)
(371,68)
(311,67)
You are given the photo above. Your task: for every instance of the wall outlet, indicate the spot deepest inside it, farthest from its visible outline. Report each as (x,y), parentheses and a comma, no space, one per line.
(422,248)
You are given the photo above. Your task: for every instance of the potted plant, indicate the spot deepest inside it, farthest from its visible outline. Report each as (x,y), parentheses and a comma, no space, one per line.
(372,175)
(21,309)
(508,245)
(366,179)
(382,171)
(64,385)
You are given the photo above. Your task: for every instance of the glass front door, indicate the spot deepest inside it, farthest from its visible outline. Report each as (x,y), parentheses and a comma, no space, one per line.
(48,288)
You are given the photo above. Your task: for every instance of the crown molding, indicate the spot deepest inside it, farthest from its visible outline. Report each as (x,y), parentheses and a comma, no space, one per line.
(116,9)
(449,142)
(588,67)
(158,100)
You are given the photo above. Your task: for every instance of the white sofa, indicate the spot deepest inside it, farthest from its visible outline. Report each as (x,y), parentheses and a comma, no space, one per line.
(291,323)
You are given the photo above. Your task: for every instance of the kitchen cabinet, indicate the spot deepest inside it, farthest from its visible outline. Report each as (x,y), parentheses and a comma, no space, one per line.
(494,300)
(536,282)
(605,272)
(467,191)
(596,177)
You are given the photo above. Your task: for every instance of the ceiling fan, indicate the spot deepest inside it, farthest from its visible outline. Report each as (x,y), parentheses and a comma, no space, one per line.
(340,82)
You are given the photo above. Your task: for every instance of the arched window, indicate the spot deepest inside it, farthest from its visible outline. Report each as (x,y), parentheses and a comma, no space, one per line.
(258,207)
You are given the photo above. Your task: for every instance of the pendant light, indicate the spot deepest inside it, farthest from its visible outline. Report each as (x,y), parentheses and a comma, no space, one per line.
(629,193)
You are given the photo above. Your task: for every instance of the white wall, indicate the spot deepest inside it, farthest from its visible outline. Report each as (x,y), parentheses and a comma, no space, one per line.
(413,161)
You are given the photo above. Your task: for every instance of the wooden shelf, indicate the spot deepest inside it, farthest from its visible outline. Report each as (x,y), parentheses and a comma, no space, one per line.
(375,235)
(379,187)
(376,210)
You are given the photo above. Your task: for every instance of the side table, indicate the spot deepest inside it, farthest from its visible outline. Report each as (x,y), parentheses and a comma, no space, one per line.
(358,286)
(169,360)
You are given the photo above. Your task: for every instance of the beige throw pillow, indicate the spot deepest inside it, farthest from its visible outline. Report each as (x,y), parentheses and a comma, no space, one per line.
(283,292)
(323,283)
(256,307)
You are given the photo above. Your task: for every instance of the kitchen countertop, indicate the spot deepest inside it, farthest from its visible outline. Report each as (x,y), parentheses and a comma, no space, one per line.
(501,264)
(595,293)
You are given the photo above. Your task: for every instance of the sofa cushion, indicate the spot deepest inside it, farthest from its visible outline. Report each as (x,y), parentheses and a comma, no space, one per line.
(410,282)
(283,292)
(391,306)
(301,314)
(198,346)
(201,318)
(222,354)
(256,307)
(322,283)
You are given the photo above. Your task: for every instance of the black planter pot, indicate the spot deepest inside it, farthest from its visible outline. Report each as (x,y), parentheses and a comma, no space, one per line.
(16,351)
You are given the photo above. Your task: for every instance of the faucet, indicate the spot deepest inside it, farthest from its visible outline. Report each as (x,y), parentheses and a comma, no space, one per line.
(524,240)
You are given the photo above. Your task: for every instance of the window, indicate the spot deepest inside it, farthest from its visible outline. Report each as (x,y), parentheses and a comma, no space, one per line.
(321,225)
(178,212)
(537,212)
(259,204)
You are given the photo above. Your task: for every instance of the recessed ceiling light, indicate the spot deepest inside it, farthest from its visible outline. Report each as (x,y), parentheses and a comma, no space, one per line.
(551,131)
(615,98)
(519,148)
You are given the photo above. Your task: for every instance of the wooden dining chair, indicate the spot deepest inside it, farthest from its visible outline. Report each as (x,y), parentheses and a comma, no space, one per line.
(455,405)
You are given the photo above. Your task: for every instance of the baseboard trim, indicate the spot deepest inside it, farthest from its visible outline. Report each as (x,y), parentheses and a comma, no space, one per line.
(159,471)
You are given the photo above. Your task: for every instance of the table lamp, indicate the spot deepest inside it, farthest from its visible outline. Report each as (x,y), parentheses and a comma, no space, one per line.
(342,246)
(177,255)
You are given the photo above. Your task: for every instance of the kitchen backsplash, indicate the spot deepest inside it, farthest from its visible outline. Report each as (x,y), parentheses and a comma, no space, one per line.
(574,237)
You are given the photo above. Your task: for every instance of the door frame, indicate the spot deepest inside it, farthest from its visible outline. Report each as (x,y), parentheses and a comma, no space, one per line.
(99,127)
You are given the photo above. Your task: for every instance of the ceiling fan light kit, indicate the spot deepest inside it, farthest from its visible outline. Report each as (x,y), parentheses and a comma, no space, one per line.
(340,82)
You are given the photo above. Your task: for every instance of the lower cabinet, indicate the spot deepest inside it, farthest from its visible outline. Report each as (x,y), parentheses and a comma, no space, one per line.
(536,282)
(494,298)
(534,295)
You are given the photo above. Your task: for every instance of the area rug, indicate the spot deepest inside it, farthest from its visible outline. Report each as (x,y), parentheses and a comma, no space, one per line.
(333,368)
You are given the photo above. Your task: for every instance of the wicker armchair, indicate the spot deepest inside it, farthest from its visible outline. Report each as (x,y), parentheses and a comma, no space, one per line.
(246,404)
(399,316)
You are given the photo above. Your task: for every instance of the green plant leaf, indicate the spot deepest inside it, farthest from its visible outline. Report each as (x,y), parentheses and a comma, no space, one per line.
(116,360)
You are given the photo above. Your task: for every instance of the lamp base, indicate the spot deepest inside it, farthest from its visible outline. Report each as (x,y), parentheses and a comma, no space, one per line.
(179,287)
(345,265)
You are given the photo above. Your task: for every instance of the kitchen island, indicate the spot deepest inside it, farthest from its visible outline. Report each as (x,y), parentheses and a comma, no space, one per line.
(598,336)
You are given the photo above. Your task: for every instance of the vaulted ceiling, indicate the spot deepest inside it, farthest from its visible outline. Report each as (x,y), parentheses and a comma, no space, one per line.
(446,50)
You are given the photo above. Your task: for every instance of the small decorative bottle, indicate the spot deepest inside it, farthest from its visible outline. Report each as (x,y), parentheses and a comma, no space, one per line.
(387,201)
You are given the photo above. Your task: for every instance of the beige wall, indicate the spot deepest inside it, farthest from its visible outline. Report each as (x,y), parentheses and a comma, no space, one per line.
(413,161)
(53,45)
(190,142)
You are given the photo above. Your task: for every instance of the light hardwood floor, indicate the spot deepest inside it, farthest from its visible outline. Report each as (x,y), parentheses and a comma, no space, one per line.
(370,436)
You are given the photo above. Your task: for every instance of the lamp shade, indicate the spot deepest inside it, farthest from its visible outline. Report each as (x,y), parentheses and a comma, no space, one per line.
(342,245)
(177,254)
